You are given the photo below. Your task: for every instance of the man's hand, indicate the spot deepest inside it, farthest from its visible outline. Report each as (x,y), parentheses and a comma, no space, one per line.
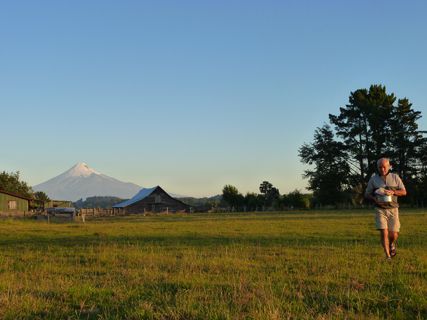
(389,192)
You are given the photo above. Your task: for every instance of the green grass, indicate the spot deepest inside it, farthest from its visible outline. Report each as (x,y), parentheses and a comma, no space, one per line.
(312,265)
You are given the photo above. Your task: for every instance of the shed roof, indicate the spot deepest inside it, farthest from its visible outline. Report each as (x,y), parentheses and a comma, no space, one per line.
(15,195)
(142,194)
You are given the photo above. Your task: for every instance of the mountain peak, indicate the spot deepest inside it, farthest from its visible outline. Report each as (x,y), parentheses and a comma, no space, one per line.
(81,181)
(81,169)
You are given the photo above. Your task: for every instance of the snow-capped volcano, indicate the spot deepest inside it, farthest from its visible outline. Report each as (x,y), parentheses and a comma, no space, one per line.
(81,181)
(81,169)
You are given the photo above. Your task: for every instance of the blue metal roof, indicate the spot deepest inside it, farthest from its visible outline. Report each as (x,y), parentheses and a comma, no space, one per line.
(142,194)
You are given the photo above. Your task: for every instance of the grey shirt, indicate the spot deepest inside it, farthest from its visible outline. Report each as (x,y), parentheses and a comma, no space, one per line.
(392,182)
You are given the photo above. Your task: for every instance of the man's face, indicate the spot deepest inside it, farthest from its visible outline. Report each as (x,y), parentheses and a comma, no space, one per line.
(383,167)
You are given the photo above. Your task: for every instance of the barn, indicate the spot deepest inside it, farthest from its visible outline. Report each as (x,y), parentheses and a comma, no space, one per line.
(13,203)
(151,200)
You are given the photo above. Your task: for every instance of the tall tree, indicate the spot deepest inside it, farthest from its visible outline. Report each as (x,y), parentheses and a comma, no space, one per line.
(420,194)
(371,126)
(364,125)
(270,193)
(232,197)
(330,177)
(265,187)
(405,140)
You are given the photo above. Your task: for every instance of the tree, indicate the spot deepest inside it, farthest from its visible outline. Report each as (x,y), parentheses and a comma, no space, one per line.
(419,192)
(40,195)
(270,193)
(253,201)
(11,182)
(232,197)
(369,127)
(296,199)
(363,125)
(405,139)
(329,179)
(265,187)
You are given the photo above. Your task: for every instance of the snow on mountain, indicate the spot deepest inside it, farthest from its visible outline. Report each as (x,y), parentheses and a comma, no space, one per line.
(79,170)
(81,181)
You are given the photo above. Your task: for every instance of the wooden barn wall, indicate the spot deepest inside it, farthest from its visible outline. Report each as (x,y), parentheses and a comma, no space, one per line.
(158,201)
(21,204)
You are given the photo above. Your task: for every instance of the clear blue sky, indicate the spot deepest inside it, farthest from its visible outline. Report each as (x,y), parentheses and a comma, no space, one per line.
(193,95)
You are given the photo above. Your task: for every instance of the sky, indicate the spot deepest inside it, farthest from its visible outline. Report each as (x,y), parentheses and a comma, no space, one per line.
(194,95)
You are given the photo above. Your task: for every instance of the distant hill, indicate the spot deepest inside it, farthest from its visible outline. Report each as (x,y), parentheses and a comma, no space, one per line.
(81,182)
(202,202)
(97,202)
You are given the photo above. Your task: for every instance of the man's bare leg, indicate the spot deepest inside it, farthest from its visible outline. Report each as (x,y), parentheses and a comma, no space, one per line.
(385,242)
(392,237)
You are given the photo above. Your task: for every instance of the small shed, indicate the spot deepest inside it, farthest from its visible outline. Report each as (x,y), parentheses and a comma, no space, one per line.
(13,203)
(58,203)
(151,200)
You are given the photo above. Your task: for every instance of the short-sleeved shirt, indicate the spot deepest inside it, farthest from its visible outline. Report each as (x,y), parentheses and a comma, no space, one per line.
(392,182)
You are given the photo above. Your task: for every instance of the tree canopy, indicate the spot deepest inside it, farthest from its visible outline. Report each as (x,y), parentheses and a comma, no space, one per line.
(329,179)
(11,182)
(231,196)
(372,125)
(270,193)
(40,195)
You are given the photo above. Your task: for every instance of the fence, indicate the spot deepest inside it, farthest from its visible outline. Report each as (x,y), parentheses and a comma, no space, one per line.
(98,212)
(17,214)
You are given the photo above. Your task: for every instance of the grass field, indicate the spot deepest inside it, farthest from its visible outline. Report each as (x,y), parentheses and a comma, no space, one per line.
(312,265)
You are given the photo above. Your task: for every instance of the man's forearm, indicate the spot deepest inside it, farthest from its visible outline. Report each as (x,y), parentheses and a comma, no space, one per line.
(399,193)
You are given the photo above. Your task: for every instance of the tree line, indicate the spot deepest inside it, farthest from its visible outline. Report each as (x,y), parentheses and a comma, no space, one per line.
(269,198)
(343,154)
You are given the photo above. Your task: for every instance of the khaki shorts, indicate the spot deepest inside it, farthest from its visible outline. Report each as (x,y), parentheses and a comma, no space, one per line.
(387,219)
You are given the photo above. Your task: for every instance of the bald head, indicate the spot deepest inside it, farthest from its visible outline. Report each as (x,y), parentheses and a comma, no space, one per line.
(383,161)
(383,165)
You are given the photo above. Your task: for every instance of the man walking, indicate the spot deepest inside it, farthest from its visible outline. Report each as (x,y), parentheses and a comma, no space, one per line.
(383,189)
